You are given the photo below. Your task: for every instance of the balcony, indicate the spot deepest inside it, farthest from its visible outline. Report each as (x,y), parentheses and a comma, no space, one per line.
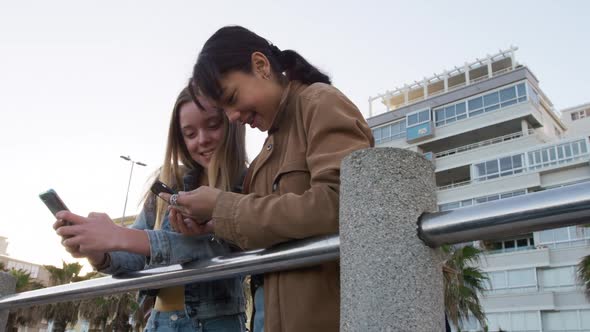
(469,189)
(538,161)
(466,154)
(514,113)
(539,257)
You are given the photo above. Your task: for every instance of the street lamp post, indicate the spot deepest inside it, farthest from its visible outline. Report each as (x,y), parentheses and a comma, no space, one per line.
(129,184)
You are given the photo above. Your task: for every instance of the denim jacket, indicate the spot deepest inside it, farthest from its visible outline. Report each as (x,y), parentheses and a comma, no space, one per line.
(202,300)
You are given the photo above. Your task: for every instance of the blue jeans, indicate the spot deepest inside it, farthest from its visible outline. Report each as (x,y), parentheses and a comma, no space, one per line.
(179,321)
(259,306)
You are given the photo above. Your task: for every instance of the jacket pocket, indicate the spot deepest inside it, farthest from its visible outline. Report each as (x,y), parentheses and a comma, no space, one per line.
(292,177)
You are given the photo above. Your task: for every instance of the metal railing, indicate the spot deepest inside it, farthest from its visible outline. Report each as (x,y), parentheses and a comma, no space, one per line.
(523,214)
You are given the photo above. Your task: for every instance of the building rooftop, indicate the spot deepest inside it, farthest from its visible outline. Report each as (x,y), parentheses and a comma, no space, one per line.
(449,80)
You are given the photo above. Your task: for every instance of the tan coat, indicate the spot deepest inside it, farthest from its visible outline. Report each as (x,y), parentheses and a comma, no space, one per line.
(294,194)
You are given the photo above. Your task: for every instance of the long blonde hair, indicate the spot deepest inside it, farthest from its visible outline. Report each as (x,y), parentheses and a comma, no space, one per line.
(225,170)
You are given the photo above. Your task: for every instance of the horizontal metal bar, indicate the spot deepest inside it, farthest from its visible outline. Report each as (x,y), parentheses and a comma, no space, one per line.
(500,219)
(281,257)
(523,214)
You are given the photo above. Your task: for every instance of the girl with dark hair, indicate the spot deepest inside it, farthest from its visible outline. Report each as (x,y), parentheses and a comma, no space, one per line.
(203,148)
(292,187)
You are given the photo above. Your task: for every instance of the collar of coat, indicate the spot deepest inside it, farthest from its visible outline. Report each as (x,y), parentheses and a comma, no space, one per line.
(286,98)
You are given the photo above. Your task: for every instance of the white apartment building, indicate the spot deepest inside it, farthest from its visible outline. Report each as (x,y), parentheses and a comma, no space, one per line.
(493,134)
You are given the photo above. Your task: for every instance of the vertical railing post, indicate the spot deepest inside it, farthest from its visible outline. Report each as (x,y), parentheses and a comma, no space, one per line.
(390,280)
(7,287)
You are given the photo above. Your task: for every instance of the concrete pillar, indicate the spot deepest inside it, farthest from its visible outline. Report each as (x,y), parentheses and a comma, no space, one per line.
(390,280)
(7,287)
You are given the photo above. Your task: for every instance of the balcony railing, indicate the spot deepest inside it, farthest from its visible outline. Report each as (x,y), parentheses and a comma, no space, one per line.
(528,167)
(478,145)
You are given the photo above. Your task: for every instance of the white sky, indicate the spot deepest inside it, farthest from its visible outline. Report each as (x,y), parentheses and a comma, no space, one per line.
(82,82)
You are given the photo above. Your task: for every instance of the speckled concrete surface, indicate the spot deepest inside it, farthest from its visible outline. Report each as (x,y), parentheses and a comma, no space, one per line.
(390,280)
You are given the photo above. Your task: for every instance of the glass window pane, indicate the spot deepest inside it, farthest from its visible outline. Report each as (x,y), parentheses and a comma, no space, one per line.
(575,149)
(583,147)
(552,154)
(498,280)
(493,198)
(522,243)
(424,116)
(517,161)
(491,99)
(480,169)
(518,278)
(460,108)
(560,234)
(532,321)
(570,320)
(508,94)
(481,200)
(475,103)
(585,317)
(467,202)
(386,132)
(508,103)
(505,163)
(377,134)
(450,111)
(492,108)
(439,114)
(545,155)
(575,116)
(568,150)
(560,152)
(492,166)
(521,89)
(517,322)
(412,119)
(546,236)
(549,278)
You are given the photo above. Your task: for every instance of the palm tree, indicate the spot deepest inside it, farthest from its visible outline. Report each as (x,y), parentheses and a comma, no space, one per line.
(463,283)
(63,313)
(24,316)
(113,310)
(584,274)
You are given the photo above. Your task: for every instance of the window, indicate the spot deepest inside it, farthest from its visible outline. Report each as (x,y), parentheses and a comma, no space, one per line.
(522,243)
(416,118)
(480,200)
(390,132)
(521,321)
(564,237)
(512,281)
(478,105)
(580,114)
(497,99)
(557,154)
(566,320)
(557,278)
(492,169)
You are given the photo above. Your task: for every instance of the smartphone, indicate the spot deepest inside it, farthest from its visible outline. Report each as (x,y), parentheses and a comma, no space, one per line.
(160,187)
(52,201)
